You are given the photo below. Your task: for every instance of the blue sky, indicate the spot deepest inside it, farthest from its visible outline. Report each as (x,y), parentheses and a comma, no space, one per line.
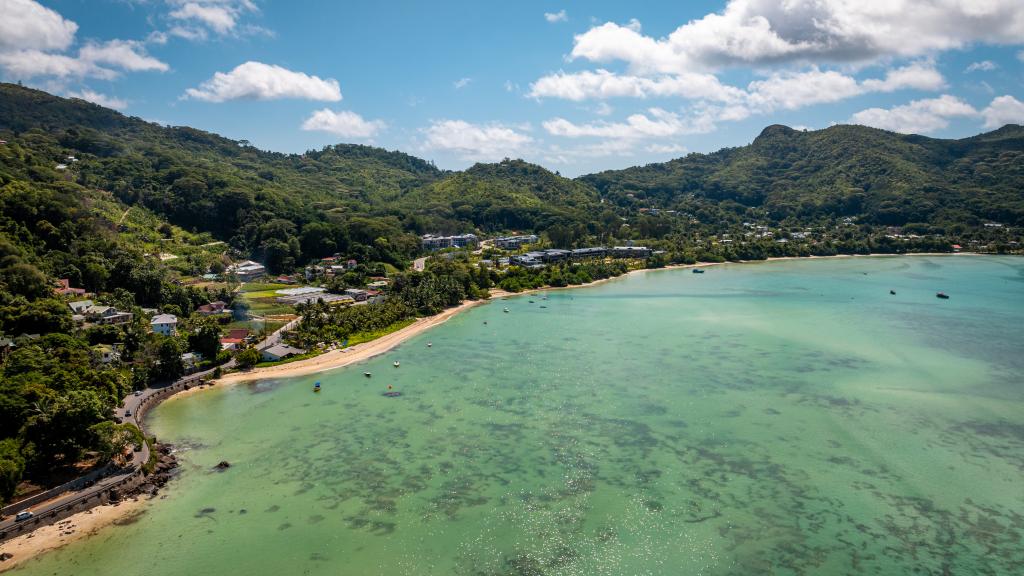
(574,86)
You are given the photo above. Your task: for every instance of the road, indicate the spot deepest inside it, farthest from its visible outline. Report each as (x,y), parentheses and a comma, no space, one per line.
(419,264)
(130,405)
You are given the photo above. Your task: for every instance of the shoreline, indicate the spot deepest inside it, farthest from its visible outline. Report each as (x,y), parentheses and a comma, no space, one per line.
(88,523)
(71,529)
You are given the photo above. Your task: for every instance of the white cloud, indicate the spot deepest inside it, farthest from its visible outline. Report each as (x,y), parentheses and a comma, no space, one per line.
(344,123)
(666,148)
(259,81)
(1003,110)
(101,99)
(604,84)
(187,33)
(758,32)
(27,25)
(125,54)
(603,109)
(35,63)
(461,83)
(914,76)
(984,66)
(560,16)
(917,117)
(656,123)
(479,142)
(219,17)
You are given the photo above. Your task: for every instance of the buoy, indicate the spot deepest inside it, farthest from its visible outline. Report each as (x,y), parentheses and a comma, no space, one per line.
(389,386)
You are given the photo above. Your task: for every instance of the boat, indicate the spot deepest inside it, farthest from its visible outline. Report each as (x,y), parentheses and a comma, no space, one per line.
(942,295)
(316,387)
(397,364)
(698,270)
(543,306)
(392,394)
(429,344)
(367,374)
(506,310)
(892,292)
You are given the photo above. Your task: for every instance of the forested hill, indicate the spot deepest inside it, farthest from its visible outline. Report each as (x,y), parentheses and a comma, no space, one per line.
(881,177)
(286,208)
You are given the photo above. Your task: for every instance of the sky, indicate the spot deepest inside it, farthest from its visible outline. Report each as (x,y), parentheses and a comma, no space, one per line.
(577,87)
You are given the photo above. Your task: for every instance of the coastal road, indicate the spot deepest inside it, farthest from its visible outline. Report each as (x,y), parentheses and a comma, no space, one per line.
(130,405)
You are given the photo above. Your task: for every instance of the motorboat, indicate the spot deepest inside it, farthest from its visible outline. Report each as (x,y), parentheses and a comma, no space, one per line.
(698,270)
(397,364)
(316,387)
(942,295)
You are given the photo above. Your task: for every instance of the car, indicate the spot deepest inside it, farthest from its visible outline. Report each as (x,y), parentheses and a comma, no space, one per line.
(127,413)
(22,516)
(138,392)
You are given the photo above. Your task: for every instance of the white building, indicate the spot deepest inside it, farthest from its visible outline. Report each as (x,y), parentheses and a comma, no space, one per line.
(247,270)
(166,324)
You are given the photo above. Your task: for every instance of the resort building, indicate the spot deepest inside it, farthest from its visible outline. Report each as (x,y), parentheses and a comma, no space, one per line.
(630,252)
(555,255)
(585,253)
(166,324)
(514,242)
(433,242)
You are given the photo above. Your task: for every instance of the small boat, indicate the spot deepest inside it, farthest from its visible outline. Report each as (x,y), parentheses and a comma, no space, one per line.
(698,270)
(942,295)
(392,394)
(367,374)
(429,344)
(505,310)
(893,292)
(397,364)
(531,301)
(316,387)
(543,306)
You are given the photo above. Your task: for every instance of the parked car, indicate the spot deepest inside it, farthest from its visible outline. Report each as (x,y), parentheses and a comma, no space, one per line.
(138,392)
(127,413)
(23,516)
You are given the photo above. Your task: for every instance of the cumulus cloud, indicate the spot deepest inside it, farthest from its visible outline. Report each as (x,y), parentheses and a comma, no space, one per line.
(221,16)
(125,54)
(560,16)
(477,142)
(1003,110)
(101,99)
(34,41)
(757,32)
(343,123)
(656,123)
(601,84)
(259,81)
(983,66)
(917,117)
(28,25)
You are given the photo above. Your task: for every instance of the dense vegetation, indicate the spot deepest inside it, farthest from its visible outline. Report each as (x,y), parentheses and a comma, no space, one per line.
(128,210)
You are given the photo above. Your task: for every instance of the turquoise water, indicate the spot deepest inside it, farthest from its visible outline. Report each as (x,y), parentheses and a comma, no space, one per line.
(787,417)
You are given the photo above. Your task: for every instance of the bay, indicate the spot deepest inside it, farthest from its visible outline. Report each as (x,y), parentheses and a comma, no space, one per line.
(786,417)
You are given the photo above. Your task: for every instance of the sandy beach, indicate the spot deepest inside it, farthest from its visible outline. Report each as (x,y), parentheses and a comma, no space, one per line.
(76,527)
(347,356)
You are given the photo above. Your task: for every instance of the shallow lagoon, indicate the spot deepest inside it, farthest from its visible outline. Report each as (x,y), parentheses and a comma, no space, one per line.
(787,417)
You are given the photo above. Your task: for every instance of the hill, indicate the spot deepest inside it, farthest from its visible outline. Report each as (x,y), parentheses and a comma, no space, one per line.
(879,177)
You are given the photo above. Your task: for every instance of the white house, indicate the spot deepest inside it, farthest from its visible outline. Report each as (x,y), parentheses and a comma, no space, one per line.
(166,324)
(247,270)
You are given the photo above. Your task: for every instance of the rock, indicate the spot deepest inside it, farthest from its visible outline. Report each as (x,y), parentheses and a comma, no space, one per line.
(223,465)
(4,556)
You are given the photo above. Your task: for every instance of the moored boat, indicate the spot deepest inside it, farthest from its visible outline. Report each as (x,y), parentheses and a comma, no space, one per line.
(698,270)
(397,364)
(942,295)
(316,387)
